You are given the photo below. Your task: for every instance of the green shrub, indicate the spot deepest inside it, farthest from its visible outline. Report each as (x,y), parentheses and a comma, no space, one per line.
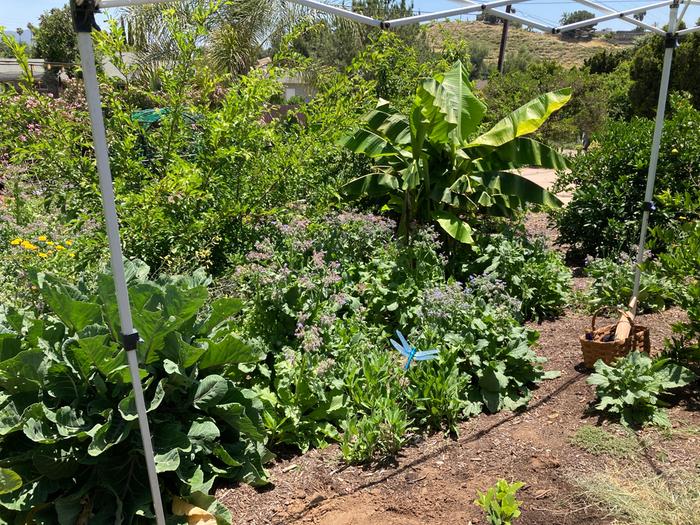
(682,262)
(604,216)
(532,273)
(631,389)
(499,502)
(69,428)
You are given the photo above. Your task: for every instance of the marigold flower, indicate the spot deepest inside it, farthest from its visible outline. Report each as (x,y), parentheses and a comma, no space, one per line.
(71,254)
(42,254)
(42,238)
(69,243)
(28,246)
(15,242)
(59,247)
(50,243)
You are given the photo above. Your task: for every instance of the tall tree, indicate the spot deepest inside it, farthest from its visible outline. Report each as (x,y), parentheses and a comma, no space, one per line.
(54,38)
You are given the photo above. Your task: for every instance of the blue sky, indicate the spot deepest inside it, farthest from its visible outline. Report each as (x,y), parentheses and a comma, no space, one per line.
(17,13)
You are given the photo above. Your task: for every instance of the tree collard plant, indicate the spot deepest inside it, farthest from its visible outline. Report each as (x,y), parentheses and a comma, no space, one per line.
(499,502)
(631,388)
(69,436)
(432,166)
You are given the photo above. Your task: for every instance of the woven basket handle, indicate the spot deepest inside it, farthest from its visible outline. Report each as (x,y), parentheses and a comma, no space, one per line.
(595,315)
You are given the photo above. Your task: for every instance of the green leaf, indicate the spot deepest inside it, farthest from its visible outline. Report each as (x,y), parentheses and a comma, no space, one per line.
(68,303)
(452,96)
(454,226)
(374,185)
(516,153)
(369,143)
(168,461)
(210,391)
(21,372)
(230,350)
(221,310)
(113,431)
(524,120)
(9,481)
(510,184)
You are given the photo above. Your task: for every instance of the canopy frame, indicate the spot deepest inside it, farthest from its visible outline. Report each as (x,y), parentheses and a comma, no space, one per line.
(84,22)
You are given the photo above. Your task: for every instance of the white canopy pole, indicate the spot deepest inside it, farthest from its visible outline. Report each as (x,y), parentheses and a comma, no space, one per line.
(427,17)
(671,42)
(619,14)
(84,22)
(626,18)
(513,18)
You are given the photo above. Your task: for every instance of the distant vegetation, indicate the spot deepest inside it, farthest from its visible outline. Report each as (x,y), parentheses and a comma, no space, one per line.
(542,46)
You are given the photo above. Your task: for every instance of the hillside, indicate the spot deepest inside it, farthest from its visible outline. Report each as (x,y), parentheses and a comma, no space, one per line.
(545,46)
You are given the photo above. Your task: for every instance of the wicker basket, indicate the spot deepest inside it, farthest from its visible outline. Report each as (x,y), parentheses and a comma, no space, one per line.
(600,343)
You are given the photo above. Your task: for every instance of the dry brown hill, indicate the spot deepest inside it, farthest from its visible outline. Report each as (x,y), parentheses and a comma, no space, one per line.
(545,46)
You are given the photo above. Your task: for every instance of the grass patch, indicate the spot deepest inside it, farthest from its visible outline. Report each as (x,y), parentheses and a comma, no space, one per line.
(634,497)
(600,442)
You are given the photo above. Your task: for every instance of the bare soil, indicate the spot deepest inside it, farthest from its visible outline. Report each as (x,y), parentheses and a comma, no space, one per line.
(435,481)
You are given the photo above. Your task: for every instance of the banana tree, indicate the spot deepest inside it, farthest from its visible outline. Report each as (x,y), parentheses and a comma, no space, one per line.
(433,166)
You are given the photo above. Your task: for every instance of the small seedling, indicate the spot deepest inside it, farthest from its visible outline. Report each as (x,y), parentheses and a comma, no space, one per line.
(499,502)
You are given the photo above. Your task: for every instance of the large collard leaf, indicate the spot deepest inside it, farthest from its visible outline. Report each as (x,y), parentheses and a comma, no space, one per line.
(221,310)
(10,343)
(519,152)
(451,106)
(374,185)
(68,303)
(112,432)
(454,226)
(524,120)
(210,391)
(511,184)
(229,350)
(20,374)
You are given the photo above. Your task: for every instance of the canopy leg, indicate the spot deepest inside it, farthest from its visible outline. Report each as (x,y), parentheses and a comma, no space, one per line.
(131,338)
(624,327)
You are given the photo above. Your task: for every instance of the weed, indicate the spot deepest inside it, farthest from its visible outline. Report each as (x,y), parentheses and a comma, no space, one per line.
(600,442)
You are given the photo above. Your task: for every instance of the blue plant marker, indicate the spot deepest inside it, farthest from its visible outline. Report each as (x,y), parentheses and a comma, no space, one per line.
(410,352)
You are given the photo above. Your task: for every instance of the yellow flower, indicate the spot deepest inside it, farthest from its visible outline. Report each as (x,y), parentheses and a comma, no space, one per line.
(69,243)
(59,248)
(42,238)
(50,243)
(42,254)
(28,245)
(71,254)
(15,242)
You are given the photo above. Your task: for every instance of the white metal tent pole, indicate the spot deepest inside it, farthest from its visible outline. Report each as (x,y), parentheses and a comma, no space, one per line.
(84,22)
(638,23)
(618,14)
(671,42)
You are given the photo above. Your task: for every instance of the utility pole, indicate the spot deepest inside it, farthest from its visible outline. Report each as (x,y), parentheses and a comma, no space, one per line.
(504,38)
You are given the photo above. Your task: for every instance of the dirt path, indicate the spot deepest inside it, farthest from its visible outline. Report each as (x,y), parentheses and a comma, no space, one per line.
(435,480)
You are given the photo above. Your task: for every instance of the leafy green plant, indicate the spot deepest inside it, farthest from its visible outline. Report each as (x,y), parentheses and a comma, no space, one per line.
(532,273)
(70,441)
(614,281)
(432,166)
(499,502)
(632,388)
